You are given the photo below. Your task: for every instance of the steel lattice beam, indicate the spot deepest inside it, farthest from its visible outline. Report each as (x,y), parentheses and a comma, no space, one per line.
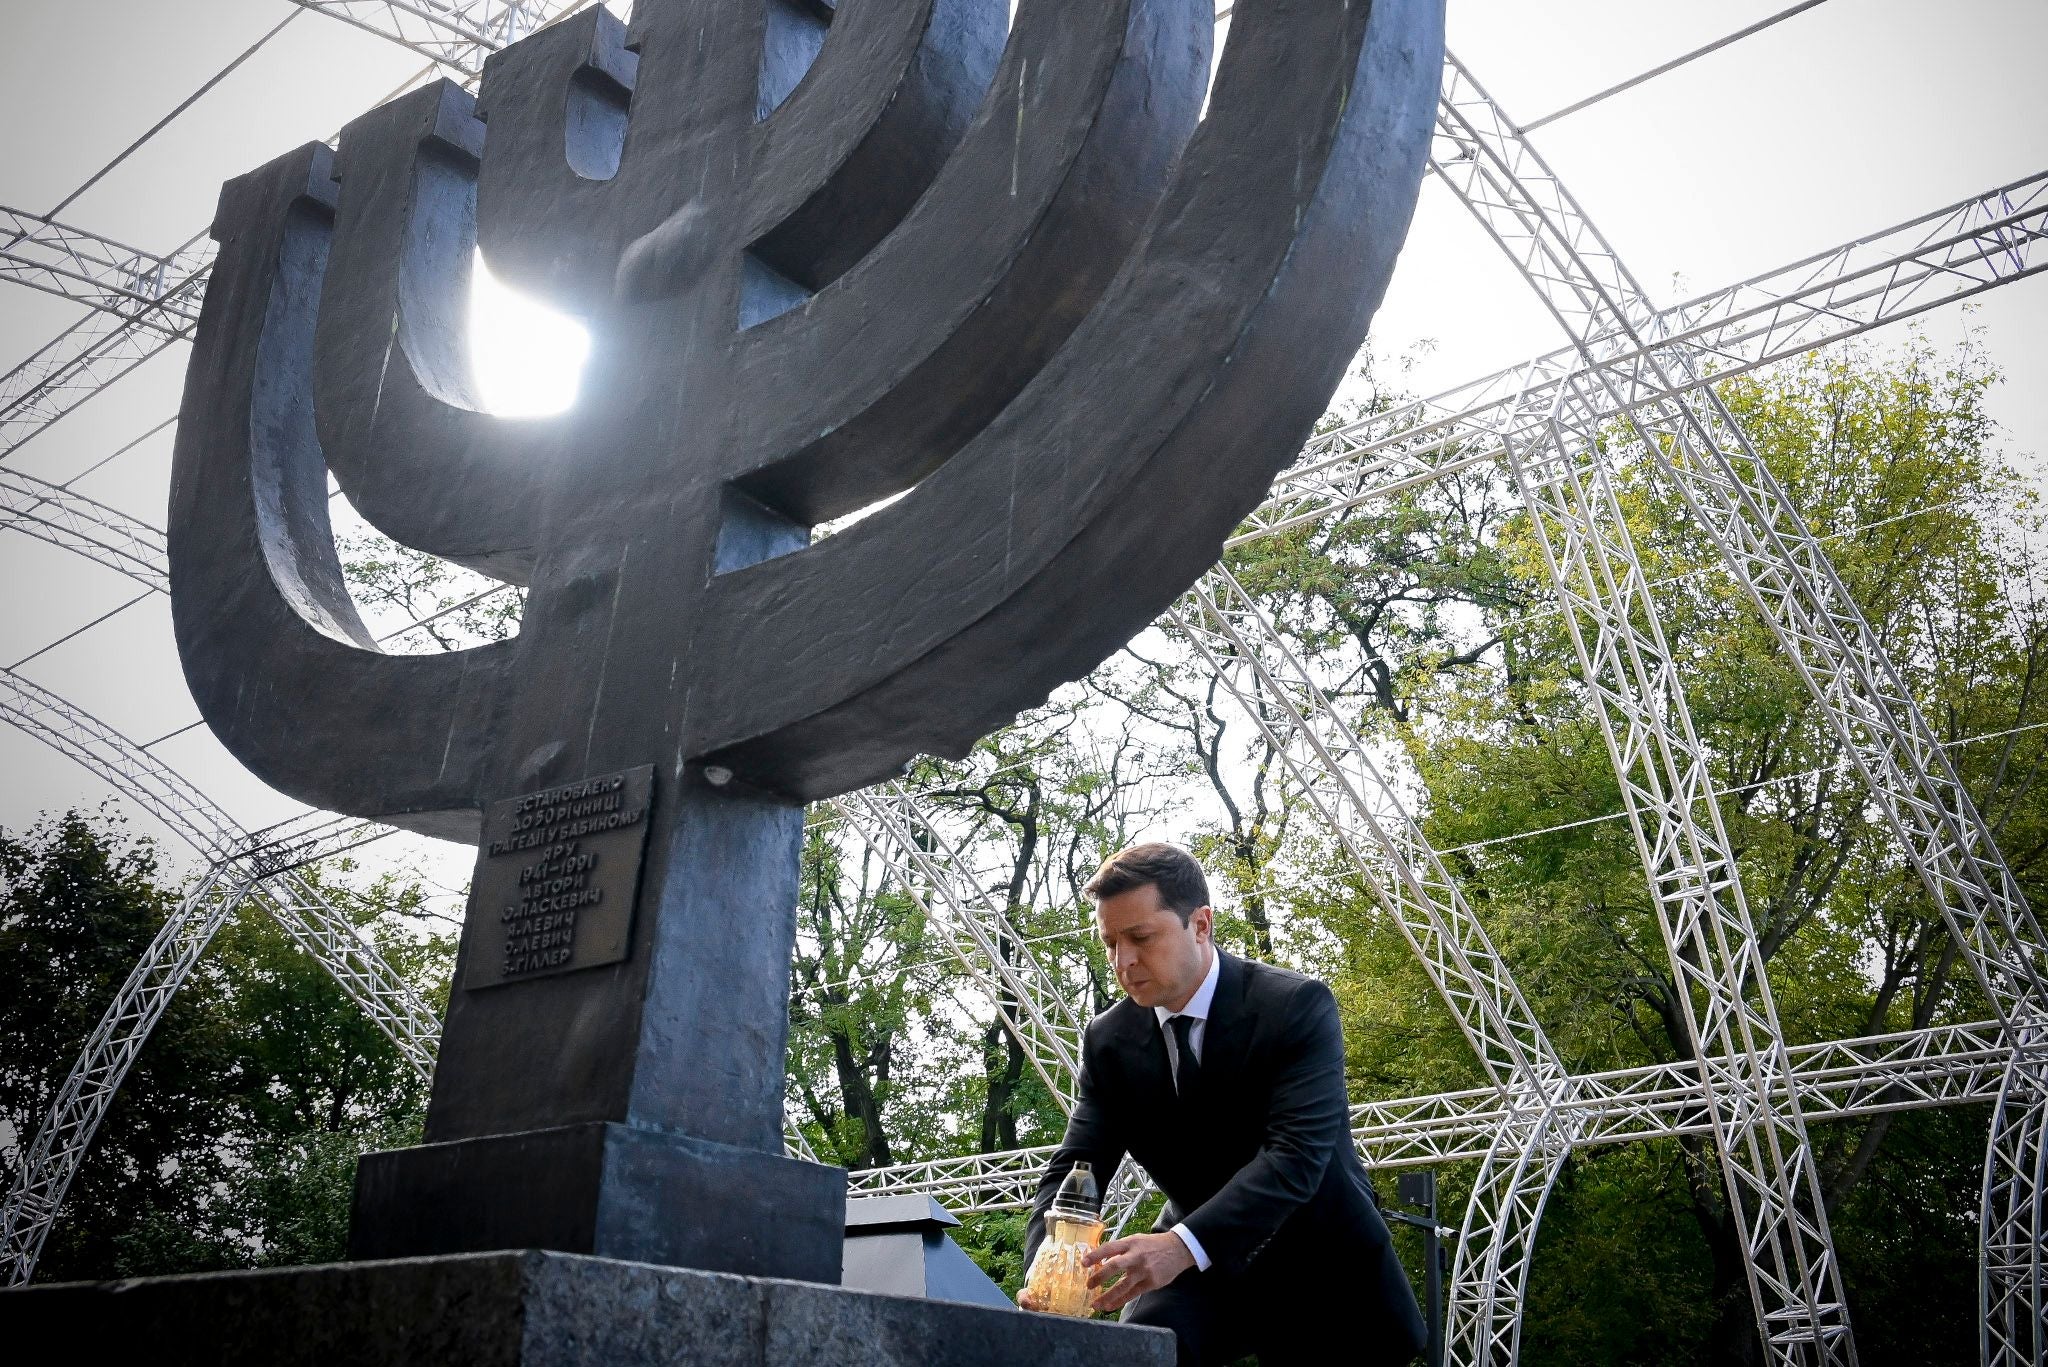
(457,34)
(128,282)
(1766,1160)
(1280,697)
(1327,761)
(1943,257)
(1850,1079)
(74,366)
(1674,811)
(49,1161)
(976,929)
(76,523)
(299,907)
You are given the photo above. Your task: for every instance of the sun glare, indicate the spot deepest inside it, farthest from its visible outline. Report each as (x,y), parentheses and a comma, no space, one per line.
(527,359)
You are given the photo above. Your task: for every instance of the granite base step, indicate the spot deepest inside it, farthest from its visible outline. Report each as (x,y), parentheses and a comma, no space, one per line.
(540,1309)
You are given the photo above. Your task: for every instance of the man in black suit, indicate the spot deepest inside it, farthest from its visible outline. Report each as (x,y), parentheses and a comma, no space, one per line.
(1224,1079)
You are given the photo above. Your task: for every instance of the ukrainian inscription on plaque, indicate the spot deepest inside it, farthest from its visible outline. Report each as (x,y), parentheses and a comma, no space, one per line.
(556,877)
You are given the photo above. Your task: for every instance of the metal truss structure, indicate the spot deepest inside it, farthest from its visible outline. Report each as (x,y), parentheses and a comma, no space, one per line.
(1772,1186)
(1630,370)
(975,928)
(75,523)
(148,290)
(142,304)
(457,34)
(48,1163)
(241,869)
(1840,1080)
(1944,257)
(1567,477)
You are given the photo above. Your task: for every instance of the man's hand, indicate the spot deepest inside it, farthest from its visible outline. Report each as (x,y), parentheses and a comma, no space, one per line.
(1027,1299)
(1144,1262)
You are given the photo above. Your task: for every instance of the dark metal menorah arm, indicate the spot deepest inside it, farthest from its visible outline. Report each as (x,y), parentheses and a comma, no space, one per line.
(826,258)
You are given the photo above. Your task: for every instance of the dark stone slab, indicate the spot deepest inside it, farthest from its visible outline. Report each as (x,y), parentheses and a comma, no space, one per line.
(821,1326)
(609,1190)
(899,1245)
(533,1309)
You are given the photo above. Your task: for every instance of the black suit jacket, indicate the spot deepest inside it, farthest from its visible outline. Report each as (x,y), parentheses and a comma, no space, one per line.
(1258,1159)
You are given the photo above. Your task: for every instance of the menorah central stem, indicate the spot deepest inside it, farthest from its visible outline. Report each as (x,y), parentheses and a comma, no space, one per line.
(611,1074)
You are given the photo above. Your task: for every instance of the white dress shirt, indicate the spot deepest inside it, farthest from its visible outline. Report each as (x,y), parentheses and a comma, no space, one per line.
(1198,1009)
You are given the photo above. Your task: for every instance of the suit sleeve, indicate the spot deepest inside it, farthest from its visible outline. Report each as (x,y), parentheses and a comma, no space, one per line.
(1091,1138)
(1307,1118)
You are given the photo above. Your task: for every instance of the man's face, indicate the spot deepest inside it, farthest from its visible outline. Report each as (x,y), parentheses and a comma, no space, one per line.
(1158,960)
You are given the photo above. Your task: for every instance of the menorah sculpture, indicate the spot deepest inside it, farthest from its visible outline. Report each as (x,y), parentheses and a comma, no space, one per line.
(825,259)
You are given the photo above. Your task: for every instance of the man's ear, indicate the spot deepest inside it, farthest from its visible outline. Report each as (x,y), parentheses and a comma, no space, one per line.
(1203,922)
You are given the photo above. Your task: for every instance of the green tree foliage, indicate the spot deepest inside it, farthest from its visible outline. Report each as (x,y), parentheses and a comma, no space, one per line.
(1891,463)
(897,1051)
(1038,806)
(419,603)
(233,1140)
(857,980)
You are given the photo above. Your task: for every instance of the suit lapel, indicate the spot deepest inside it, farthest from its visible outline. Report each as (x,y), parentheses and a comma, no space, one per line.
(1228,1033)
(1224,1042)
(1151,1072)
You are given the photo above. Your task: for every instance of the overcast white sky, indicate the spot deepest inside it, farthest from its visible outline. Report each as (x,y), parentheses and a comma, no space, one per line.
(1837,123)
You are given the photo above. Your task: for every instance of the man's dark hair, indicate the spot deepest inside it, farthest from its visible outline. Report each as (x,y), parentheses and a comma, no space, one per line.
(1182,887)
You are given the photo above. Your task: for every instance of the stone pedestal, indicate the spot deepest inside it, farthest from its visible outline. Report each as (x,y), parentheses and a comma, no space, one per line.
(605,1189)
(532,1309)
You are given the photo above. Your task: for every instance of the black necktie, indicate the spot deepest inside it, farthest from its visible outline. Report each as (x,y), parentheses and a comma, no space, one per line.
(1188,1069)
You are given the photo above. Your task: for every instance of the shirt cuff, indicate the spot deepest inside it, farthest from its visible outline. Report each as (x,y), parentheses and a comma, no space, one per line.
(1187,1236)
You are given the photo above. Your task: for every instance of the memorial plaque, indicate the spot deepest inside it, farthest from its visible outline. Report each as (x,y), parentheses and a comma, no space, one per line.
(556,876)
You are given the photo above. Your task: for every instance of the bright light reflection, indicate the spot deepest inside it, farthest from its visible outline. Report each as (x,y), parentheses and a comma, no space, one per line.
(840,524)
(526,358)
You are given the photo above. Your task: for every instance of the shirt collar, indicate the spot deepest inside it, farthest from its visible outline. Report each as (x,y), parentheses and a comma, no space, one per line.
(1198,1005)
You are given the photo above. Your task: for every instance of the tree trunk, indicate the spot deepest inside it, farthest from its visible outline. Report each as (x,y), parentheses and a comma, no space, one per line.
(857,1095)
